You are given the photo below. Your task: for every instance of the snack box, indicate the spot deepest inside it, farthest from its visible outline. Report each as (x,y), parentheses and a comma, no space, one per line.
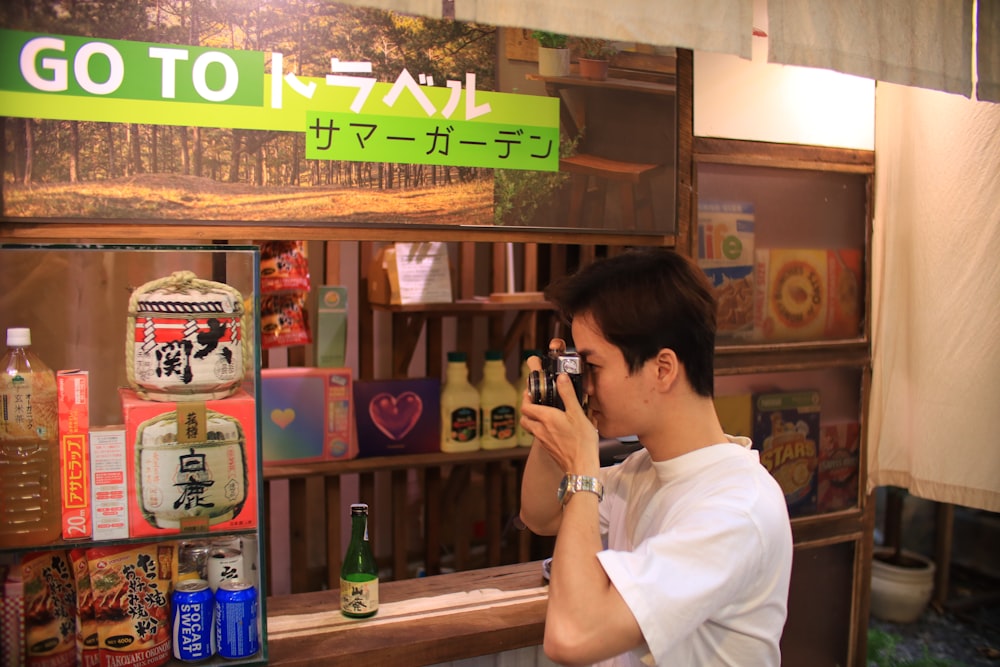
(839,451)
(807,294)
(786,431)
(192,466)
(306,415)
(72,389)
(109,481)
(726,255)
(398,416)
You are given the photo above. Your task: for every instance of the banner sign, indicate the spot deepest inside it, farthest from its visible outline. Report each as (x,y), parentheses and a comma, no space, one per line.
(346,115)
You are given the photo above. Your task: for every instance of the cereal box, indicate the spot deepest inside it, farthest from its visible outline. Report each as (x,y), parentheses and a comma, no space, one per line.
(726,255)
(807,294)
(74,454)
(306,414)
(192,467)
(735,414)
(109,482)
(786,431)
(839,447)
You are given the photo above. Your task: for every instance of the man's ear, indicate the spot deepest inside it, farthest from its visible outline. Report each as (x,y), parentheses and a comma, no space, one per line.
(668,368)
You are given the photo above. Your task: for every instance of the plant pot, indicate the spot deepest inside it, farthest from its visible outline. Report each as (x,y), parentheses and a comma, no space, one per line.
(594,69)
(553,62)
(900,590)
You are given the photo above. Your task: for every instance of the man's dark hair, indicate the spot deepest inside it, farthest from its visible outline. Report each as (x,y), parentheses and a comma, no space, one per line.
(645,300)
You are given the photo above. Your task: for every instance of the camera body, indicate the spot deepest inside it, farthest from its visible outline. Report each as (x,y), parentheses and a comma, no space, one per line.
(542,384)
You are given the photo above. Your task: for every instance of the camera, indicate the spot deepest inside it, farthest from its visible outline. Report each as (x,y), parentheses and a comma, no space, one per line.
(542,384)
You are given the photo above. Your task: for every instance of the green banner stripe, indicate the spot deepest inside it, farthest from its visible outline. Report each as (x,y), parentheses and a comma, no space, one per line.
(430,141)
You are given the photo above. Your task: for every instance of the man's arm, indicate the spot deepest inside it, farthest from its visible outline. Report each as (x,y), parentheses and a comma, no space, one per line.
(587,619)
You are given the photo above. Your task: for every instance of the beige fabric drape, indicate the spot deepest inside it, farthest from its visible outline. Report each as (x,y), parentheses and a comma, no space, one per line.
(934,416)
(988,50)
(707,25)
(912,42)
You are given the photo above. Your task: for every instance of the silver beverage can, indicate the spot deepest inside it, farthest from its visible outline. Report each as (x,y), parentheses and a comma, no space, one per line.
(224,564)
(193,559)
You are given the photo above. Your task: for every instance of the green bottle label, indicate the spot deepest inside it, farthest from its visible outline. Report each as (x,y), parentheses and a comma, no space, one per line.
(464,424)
(503,422)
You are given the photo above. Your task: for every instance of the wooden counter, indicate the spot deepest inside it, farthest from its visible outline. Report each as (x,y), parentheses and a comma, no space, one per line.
(420,621)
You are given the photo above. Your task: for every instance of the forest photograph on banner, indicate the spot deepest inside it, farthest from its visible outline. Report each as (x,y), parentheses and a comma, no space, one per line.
(250,111)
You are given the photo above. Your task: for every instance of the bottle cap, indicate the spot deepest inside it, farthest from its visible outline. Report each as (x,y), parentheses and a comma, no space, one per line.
(456,356)
(18,337)
(359,508)
(494,355)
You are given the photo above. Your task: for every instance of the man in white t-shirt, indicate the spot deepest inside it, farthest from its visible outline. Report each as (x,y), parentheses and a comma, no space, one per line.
(698,548)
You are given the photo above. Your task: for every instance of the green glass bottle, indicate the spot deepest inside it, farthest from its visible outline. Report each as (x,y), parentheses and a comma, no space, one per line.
(359,573)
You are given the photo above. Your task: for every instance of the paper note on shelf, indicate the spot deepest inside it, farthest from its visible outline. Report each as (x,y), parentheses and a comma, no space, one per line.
(424,276)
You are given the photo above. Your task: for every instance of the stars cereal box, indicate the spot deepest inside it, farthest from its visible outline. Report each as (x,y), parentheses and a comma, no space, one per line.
(786,431)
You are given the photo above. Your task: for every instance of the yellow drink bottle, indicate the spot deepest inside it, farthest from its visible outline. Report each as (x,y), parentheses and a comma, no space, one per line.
(30,495)
(459,408)
(498,401)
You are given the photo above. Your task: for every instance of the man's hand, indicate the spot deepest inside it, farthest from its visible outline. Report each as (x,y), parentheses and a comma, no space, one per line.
(569,437)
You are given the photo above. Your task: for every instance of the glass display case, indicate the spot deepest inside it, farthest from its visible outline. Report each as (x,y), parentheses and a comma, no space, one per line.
(186,497)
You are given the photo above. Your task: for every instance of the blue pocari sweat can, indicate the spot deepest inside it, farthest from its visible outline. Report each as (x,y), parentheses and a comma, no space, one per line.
(236,619)
(193,629)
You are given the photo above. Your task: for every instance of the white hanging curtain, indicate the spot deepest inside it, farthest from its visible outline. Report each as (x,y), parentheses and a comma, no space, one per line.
(708,25)
(988,50)
(933,418)
(915,43)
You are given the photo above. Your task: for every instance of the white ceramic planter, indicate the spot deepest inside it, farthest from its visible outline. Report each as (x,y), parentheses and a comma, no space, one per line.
(553,62)
(900,594)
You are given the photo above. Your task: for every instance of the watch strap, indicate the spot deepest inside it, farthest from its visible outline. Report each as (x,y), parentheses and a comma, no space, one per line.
(576,483)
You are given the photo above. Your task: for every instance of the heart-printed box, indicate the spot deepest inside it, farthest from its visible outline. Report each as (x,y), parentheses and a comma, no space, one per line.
(398,416)
(306,415)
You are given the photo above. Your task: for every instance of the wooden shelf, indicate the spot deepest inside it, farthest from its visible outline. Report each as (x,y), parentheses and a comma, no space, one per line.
(611,83)
(400,462)
(463,307)
(792,356)
(34,230)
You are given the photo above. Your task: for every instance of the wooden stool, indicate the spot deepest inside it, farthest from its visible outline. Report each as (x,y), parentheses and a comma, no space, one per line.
(634,190)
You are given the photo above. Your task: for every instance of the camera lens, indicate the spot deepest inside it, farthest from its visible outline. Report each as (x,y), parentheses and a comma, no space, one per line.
(541,388)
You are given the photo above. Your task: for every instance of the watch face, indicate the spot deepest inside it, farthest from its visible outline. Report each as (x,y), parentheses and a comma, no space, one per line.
(563,485)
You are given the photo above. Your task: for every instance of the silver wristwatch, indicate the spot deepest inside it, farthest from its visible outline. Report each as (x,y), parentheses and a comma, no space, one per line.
(572,483)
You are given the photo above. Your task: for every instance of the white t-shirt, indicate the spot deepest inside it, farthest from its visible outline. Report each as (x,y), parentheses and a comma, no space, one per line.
(700,548)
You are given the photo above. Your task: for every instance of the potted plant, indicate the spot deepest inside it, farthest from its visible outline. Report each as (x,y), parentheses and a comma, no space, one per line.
(594,56)
(902,581)
(553,53)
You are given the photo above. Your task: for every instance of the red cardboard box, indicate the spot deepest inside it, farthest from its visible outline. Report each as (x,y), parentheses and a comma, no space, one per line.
(307,415)
(839,453)
(398,416)
(192,466)
(72,390)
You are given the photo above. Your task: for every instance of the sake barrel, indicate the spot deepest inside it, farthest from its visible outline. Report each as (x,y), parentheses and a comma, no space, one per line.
(187,339)
(180,482)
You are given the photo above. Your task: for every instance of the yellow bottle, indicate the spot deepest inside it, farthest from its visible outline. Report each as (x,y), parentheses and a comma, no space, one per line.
(30,492)
(498,400)
(524,439)
(459,408)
